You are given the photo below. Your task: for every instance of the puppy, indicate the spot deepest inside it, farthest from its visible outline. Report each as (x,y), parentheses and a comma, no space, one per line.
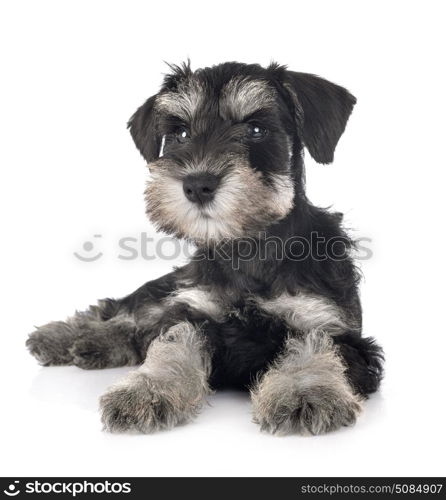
(269,302)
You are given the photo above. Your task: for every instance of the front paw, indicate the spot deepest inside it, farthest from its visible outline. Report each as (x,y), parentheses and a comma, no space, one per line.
(87,354)
(142,405)
(50,344)
(315,410)
(103,351)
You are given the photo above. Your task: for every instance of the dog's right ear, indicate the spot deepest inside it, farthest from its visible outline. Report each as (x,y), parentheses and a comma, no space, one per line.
(143,129)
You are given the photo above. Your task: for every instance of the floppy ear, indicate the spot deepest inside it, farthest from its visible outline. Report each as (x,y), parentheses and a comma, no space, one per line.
(322,110)
(143,129)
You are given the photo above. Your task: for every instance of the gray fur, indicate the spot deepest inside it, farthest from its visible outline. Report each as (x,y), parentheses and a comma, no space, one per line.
(306,311)
(201,299)
(242,201)
(167,390)
(50,344)
(183,103)
(86,341)
(240,98)
(243,96)
(305,391)
(105,344)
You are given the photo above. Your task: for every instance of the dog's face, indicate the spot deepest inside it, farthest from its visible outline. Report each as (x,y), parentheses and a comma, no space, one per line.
(223,146)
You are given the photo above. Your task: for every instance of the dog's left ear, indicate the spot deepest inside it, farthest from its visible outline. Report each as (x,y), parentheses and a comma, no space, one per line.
(143,129)
(322,109)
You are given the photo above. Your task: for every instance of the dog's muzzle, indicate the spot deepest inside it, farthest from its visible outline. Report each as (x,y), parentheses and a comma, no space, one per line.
(200,188)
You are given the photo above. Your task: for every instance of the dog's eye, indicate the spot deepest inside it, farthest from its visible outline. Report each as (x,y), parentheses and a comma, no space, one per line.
(182,135)
(256,132)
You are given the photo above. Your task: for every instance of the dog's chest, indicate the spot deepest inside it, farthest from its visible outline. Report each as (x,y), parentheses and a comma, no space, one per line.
(302,311)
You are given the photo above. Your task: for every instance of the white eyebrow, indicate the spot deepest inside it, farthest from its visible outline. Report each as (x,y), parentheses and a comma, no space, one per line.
(184,101)
(242,96)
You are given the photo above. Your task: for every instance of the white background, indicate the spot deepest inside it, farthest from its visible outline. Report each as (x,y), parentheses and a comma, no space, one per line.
(72,73)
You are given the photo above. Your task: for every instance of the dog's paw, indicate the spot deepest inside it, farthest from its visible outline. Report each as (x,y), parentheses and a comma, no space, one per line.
(104,344)
(50,344)
(88,354)
(140,404)
(316,410)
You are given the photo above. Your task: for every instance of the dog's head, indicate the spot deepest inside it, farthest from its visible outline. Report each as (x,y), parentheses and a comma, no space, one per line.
(223,145)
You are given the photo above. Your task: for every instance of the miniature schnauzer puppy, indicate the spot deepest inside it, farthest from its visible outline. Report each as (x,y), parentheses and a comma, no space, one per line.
(224,147)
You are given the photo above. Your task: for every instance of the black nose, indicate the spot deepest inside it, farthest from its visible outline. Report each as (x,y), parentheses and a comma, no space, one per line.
(200,188)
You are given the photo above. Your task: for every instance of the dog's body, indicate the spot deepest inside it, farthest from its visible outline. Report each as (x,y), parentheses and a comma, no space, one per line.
(224,146)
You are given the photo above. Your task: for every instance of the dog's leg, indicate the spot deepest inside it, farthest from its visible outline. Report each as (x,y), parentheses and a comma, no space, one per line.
(105,334)
(168,389)
(88,339)
(306,391)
